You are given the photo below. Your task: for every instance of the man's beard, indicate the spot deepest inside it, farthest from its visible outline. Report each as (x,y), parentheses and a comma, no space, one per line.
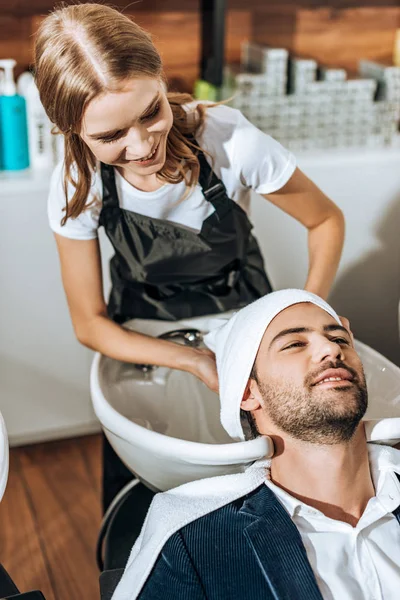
(320,416)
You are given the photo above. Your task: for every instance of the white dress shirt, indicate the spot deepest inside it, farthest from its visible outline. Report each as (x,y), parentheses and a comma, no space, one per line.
(362,562)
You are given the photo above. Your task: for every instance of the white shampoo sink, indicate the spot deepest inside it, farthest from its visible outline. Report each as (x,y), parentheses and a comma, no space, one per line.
(165,426)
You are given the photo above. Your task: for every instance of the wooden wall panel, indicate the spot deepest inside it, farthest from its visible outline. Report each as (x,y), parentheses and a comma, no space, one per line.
(14,39)
(42,7)
(177,37)
(335,32)
(333,37)
(346,36)
(32,7)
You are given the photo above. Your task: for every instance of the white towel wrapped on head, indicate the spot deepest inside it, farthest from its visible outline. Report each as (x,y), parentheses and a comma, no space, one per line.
(236,344)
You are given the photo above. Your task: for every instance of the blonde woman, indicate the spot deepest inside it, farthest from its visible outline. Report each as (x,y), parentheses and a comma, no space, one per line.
(169,180)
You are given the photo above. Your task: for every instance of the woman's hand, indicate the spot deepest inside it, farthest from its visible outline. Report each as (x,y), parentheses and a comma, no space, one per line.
(204,367)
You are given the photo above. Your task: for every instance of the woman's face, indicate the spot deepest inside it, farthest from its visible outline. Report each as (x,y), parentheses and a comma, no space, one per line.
(129,128)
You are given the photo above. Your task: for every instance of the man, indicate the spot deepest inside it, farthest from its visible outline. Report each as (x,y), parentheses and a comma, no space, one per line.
(322,520)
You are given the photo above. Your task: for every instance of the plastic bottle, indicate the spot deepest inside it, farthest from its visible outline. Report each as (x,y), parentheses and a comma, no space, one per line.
(1,93)
(39,125)
(13,124)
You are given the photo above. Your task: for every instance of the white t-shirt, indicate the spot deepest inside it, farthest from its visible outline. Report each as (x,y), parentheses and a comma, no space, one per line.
(362,562)
(244,158)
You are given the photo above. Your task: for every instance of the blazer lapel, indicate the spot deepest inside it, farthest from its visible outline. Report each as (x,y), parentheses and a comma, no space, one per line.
(277,544)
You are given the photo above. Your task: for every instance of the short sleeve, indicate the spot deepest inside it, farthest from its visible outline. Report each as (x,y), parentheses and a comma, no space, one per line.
(261,163)
(85,226)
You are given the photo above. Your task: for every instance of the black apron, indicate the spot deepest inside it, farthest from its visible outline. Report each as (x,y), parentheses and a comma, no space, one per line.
(162,270)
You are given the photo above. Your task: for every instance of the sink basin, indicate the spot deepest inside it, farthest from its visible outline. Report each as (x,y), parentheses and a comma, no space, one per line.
(164,424)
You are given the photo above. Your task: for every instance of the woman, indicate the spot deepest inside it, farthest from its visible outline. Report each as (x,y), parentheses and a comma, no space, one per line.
(169,180)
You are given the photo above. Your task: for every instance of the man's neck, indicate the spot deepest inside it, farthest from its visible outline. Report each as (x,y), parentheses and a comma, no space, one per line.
(334,479)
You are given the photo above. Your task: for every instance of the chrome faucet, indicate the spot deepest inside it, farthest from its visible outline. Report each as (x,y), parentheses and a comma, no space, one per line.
(186,337)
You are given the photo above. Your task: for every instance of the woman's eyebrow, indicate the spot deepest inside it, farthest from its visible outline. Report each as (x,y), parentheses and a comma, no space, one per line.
(104,134)
(150,106)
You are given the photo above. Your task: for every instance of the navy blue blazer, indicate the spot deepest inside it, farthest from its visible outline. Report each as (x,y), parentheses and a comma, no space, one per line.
(246,550)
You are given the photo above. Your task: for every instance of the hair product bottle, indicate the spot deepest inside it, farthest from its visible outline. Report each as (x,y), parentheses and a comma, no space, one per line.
(13,125)
(1,93)
(39,125)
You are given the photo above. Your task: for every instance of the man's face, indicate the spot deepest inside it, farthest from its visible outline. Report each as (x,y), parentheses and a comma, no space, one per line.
(309,379)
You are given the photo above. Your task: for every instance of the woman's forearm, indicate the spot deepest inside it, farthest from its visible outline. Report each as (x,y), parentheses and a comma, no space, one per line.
(325,244)
(303,200)
(103,335)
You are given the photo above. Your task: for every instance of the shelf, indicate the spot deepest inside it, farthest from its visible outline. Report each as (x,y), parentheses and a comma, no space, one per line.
(28,181)
(17,182)
(350,156)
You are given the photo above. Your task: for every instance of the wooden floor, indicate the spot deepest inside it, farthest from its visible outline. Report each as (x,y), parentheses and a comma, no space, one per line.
(50,517)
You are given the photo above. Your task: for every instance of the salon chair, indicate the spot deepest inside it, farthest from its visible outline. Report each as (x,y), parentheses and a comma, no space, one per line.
(120,528)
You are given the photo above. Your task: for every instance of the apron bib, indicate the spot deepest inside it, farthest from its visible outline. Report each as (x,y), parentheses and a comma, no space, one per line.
(162,270)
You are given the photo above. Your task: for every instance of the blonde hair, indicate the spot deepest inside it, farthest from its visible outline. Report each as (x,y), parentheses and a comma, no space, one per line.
(84,50)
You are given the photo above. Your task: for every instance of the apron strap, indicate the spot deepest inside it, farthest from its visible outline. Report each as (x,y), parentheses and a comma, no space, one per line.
(212,187)
(110,194)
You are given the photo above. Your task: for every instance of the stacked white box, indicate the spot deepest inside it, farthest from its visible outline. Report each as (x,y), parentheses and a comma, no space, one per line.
(302,72)
(332,74)
(270,63)
(387,76)
(317,114)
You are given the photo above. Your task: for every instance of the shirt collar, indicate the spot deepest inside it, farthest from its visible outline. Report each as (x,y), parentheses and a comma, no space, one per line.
(384,463)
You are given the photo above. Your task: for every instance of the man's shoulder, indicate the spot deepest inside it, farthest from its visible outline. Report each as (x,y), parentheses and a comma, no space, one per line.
(233,516)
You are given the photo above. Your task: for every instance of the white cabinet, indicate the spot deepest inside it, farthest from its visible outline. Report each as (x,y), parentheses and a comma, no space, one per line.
(44,387)
(44,371)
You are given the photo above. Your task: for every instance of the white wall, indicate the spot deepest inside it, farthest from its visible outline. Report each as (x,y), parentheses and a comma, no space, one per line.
(44,390)
(366,186)
(44,372)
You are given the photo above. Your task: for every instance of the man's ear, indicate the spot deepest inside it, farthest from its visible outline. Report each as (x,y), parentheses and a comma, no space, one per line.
(251,396)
